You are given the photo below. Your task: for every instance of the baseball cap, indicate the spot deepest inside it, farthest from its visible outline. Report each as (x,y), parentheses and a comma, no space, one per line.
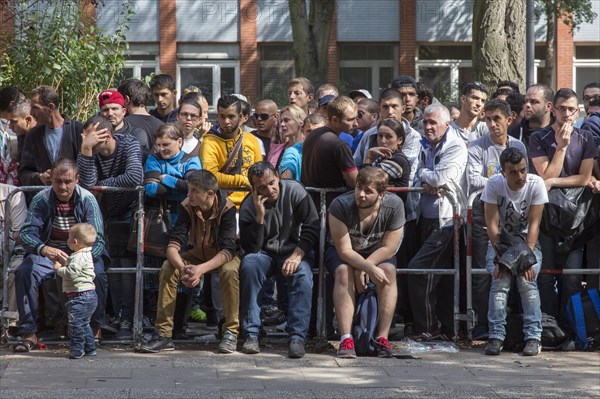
(192,89)
(363,92)
(323,101)
(110,97)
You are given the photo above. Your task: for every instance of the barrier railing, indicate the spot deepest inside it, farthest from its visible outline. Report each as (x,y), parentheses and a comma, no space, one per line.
(140,268)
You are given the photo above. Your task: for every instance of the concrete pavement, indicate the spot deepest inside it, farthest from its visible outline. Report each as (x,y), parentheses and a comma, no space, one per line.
(197,371)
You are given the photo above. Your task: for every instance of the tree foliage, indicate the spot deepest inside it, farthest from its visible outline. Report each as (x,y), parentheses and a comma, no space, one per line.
(56,43)
(572,13)
(498,47)
(310,31)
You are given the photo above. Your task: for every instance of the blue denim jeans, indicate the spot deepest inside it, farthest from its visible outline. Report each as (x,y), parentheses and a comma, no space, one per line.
(530,299)
(32,273)
(254,270)
(80,308)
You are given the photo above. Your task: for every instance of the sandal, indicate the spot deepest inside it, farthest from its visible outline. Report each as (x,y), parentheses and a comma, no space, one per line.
(27,345)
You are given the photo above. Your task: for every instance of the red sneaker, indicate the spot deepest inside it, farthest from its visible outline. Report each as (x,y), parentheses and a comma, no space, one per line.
(347,349)
(384,348)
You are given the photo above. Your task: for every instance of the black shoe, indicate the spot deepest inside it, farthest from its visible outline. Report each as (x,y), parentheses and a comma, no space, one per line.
(494,347)
(125,331)
(158,344)
(228,343)
(296,349)
(276,319)
(533,347)
(251,346)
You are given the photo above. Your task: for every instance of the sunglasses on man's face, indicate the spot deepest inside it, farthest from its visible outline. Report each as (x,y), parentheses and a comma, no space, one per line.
(263,117)
(361,114)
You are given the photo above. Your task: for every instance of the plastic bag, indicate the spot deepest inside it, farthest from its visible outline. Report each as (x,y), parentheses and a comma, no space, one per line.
(408,345)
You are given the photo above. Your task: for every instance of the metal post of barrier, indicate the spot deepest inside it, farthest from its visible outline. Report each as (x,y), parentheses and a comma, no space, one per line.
(321,306)
(138,311)
(456,227)
(471,316)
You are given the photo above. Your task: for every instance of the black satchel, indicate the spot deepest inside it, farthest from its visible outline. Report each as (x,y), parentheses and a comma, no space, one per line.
(157,221)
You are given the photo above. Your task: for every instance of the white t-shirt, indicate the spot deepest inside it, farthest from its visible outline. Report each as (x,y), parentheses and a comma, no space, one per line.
(514,205)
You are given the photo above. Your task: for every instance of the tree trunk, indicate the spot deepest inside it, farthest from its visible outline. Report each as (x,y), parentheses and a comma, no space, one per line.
(311,37)
(498,45)
(550,49)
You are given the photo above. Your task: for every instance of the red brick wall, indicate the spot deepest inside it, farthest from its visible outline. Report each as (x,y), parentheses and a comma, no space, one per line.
(248,50)
(332,52)
(564,55)
(407,47)
(168,37)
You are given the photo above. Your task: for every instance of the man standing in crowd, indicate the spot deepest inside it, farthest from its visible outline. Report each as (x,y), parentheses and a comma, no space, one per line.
(44,236)
(227,151)
(56,136)
(206,219)
(407,86)
(300,92)
(266,118)
(279,227)
(467,125)
(442,166)
(514,201)
(164,91)
(366,229)
(538,115)
(368,116)
(136,96)
(112,107)
(564,157)
(114,160)
(591,91)
(326,159)
(484,162)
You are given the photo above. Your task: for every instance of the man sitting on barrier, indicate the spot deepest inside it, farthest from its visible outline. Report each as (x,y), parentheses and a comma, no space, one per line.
(44,236)
(513,203)
(279,227)
(206,221)
(441,171)
(366,227)
(114,160)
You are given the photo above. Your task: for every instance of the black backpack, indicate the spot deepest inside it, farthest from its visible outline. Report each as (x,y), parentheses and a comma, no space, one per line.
(583,312)
(364,324)
(552,335)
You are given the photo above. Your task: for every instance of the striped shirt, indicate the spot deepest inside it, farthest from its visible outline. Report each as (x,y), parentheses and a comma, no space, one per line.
(64,219)
(123,168)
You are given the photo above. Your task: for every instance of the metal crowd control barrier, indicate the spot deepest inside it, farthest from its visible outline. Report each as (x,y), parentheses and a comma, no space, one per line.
(471,316)
(137,325)
(321,310)
(455,272)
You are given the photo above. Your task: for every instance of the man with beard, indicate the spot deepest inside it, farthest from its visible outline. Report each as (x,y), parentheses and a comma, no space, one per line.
(564,157)
(112,107)
(366,227)
(538,107)
(227,151)
(279,227)
(467,125)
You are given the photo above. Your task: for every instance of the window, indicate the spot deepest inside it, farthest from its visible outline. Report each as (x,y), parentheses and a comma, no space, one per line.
(586,68)
(213,78)
(276,69)
(367,66)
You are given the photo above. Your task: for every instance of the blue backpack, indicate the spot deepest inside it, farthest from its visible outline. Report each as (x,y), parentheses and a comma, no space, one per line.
(583,312)
(364,324)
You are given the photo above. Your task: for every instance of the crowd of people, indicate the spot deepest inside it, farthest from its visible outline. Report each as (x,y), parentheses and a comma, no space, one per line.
(249,254)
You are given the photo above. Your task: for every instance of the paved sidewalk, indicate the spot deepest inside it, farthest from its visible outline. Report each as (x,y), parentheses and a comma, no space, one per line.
(197,371)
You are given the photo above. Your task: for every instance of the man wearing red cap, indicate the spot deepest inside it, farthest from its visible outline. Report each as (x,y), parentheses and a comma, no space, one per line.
(112,107)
